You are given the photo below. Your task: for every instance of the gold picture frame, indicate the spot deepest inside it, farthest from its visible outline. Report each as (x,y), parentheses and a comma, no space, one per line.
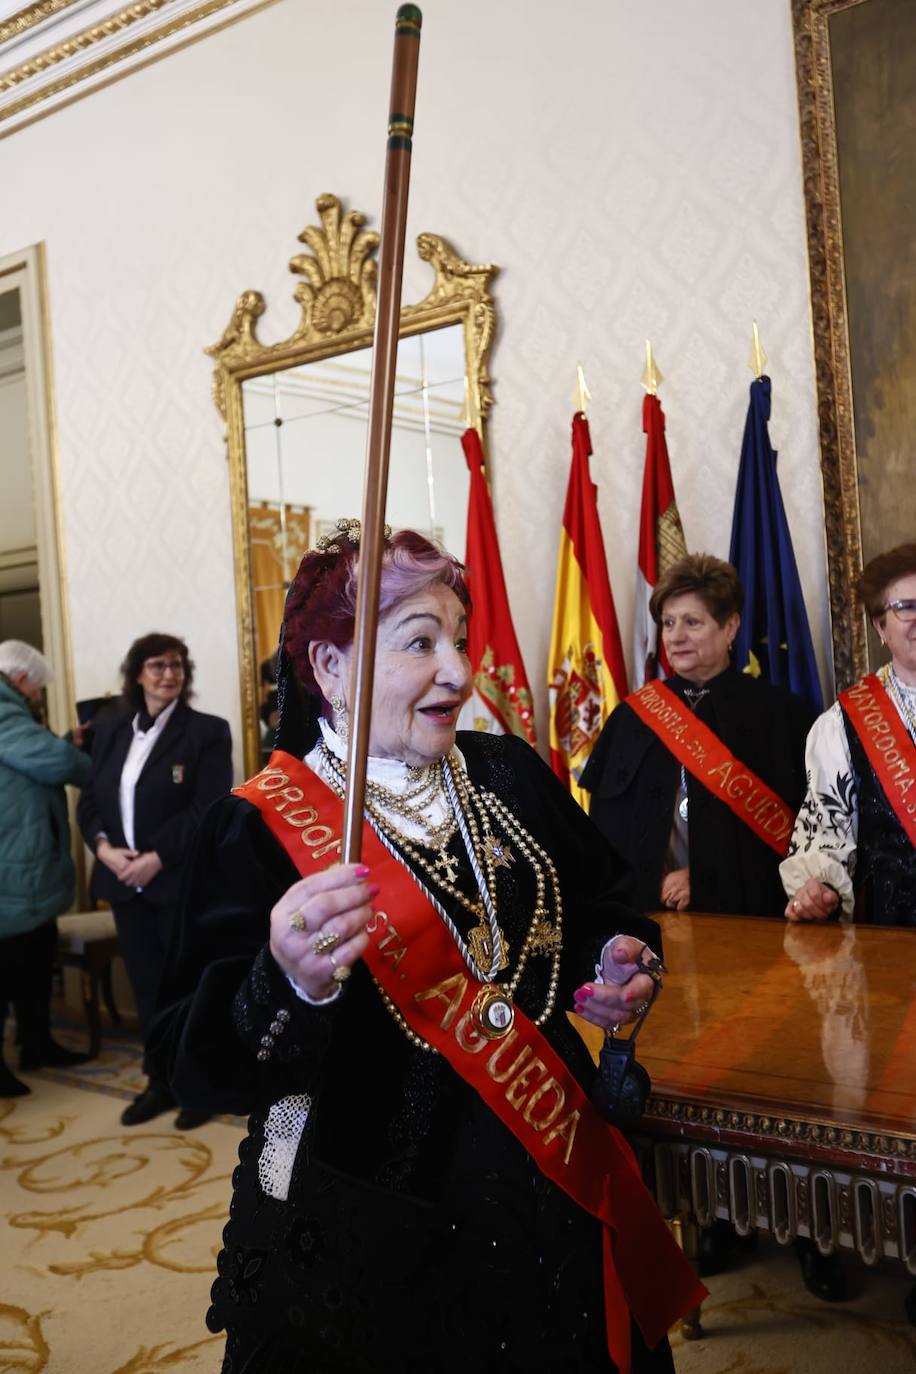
(337,297)
(844,51)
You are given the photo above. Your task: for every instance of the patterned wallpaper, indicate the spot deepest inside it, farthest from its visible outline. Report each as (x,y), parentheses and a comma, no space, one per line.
(634,169)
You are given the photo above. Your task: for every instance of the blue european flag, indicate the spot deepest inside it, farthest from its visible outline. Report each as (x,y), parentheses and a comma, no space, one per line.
(774,640)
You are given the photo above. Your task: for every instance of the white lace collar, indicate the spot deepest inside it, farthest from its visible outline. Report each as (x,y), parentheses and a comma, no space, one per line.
(391,774)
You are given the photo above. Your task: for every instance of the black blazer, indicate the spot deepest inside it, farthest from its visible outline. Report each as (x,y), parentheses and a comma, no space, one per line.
(189,767)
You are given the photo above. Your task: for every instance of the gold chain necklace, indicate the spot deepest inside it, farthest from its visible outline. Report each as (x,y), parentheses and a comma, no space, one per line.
(381,800)
(895,689)
(480,809)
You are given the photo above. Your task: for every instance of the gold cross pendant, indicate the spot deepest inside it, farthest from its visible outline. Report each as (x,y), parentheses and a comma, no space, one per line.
(447,864)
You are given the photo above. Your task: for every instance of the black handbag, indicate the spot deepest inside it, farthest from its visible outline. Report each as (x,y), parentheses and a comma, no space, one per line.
(622,1086)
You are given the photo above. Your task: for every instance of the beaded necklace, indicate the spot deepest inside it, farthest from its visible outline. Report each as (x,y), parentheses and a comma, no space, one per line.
(474,813)
(901,696)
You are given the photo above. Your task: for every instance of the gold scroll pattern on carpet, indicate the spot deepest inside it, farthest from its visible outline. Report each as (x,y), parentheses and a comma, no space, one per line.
(108,1233)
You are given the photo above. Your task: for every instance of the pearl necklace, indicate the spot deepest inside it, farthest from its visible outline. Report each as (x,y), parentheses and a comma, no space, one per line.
(473,812)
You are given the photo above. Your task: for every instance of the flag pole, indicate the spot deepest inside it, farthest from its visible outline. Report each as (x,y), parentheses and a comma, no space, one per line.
(381,401)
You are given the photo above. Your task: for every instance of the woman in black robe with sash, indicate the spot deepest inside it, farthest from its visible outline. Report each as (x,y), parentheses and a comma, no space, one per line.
(383,1216)
(689,849)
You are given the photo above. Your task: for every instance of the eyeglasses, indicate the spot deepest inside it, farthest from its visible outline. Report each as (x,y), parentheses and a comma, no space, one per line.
(160,666)
(905,611)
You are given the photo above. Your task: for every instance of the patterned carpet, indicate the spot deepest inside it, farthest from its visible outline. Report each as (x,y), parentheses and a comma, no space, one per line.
(108,1239)
(108,1234)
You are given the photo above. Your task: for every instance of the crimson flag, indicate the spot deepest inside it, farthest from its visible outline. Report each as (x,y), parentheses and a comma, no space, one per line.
(661,543)
(501,700)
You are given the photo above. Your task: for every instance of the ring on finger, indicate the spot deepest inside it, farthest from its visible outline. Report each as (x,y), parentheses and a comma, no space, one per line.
(297,921)
(341,971)
(325,941)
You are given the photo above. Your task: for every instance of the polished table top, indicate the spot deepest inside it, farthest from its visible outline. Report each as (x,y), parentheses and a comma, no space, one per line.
(772,1018)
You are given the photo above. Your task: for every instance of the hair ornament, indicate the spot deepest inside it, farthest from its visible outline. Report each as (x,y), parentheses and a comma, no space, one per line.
(349,530)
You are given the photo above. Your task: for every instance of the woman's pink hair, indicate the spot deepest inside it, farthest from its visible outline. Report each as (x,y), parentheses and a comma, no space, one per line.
(322,602)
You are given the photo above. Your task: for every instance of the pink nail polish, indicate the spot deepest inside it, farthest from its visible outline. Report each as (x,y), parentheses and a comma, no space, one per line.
(579,1008)
(582,994)
(374,890)
(362,871)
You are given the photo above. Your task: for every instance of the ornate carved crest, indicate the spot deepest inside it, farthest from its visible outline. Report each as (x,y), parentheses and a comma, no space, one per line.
(337,297)
(336,293)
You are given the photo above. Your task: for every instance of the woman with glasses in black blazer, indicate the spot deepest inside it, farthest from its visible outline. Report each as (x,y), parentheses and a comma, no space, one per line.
(156,767)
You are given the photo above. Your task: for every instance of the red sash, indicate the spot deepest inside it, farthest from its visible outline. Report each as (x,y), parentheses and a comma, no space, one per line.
(887,744)
(705,756)
(520,1077)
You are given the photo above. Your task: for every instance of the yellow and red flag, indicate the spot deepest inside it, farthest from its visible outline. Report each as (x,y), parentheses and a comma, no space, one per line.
(586,676)
(501,699)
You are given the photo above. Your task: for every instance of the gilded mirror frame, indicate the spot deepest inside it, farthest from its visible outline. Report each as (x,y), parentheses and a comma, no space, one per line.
(838,396)
(337,297)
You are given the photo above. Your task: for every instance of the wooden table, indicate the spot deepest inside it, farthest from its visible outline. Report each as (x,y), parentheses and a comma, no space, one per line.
(783,1065)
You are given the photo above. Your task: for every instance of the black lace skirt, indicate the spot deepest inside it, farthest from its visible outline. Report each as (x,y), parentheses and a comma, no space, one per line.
(502,1272)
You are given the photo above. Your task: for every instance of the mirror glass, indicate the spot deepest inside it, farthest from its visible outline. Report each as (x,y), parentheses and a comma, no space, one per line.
(305,448)
(20,604)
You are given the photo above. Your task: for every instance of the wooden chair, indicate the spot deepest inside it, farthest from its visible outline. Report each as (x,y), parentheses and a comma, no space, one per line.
(88,941)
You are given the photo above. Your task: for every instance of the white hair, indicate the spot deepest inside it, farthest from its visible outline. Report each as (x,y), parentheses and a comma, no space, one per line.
(17,657)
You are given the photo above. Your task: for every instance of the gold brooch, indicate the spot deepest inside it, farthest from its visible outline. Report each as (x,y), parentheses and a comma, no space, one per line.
(348,529)
(498,852)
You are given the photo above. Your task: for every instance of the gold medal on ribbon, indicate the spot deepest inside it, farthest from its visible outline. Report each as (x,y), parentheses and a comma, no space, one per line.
(493,1012)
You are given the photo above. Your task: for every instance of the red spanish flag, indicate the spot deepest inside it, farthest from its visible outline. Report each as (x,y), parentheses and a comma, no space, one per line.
(501,700)
(586,676)
(661,543)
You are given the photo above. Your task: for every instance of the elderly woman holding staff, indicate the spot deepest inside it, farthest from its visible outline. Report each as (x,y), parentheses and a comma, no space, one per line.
(853,848)
(424,1184)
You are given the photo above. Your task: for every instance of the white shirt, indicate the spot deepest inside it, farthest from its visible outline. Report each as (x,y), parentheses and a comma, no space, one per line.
(141,746)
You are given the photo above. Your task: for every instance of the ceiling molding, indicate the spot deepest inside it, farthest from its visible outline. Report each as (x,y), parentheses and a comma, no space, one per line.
(54,51)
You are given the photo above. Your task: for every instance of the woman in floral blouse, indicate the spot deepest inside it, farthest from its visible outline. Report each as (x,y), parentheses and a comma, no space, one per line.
(853,850)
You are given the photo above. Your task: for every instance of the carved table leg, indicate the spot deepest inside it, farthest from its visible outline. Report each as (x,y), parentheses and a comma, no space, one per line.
(687,1234)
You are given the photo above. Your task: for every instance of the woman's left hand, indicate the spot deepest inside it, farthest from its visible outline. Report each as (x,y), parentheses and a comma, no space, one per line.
(612,1004)
(141,871)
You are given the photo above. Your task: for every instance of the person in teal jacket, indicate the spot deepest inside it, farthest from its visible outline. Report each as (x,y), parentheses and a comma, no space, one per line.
(36,869)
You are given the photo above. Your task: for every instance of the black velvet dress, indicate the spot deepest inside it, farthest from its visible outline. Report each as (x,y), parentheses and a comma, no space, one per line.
(416,1232)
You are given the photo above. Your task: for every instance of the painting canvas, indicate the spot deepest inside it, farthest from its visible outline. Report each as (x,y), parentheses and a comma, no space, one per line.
(856,62)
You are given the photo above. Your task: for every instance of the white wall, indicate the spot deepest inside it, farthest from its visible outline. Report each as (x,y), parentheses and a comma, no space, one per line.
(633,166)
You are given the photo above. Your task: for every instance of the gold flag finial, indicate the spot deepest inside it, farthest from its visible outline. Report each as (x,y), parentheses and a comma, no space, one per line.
(651,375)
(582,395)
(757,361)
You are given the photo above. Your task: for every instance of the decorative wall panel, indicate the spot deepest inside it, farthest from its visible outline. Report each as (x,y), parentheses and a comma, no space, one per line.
(635,171)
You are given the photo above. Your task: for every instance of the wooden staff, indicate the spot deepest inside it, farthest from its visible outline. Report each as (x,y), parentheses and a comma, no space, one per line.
(381,402)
